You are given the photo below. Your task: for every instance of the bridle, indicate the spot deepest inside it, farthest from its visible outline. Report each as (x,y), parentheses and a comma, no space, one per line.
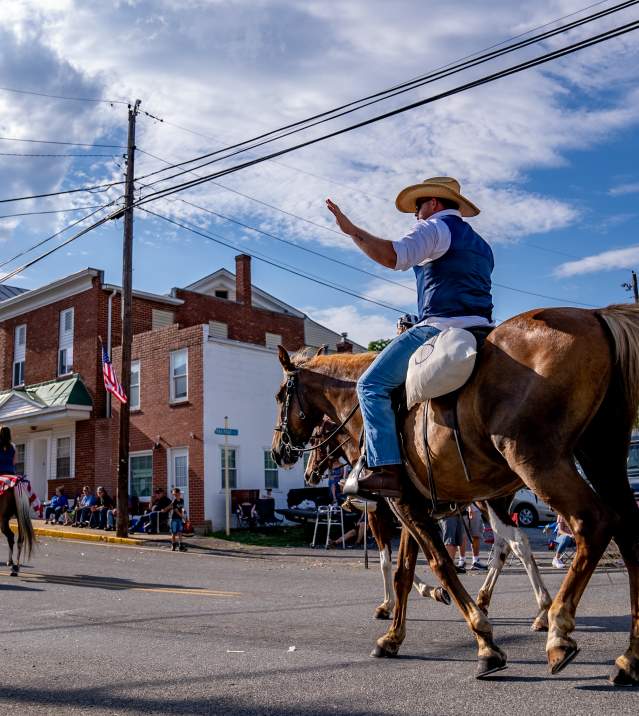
(292,389)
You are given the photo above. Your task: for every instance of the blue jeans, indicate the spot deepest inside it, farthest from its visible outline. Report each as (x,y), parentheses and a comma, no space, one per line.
(564,542)
(387,372)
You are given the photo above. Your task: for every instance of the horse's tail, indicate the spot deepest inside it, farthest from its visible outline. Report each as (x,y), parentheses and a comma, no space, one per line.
(623,323)
(23,514)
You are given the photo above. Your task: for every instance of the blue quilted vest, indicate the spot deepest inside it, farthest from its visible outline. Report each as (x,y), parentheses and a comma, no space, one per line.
(457,283)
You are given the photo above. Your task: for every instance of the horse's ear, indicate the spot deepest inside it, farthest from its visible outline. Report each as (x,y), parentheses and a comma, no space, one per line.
(285,359)
(321,350)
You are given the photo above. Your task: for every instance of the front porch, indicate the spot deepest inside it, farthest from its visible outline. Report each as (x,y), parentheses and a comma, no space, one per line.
(42,418)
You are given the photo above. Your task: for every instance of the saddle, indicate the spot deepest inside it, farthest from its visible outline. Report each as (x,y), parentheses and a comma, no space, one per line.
(448,404)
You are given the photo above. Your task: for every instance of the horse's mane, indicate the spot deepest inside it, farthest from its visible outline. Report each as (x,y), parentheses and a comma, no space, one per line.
(346,366)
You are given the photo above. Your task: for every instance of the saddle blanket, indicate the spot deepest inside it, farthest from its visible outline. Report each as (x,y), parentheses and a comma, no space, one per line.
(441,365)
(9,481)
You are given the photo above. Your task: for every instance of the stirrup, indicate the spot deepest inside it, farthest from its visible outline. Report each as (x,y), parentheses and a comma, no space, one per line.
(351,486)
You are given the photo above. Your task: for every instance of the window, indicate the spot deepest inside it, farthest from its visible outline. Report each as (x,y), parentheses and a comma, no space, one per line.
(65,352)
(221,293)
(134,392)
(179,375)
(232,464)
(271,475)
(19,349)
(63,457)
(179,473)
(161,319)
(19,464)
(217,329)
(140,476)
(273,340)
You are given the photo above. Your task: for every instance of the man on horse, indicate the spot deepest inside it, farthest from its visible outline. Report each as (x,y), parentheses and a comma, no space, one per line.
(453,266)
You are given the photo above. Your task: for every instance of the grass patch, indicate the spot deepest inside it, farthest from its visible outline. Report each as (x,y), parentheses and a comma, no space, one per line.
(291,536)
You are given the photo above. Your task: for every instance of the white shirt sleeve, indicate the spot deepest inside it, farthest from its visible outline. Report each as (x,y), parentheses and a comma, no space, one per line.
(428,240)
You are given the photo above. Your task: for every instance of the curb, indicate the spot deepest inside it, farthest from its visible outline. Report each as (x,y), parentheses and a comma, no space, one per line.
(83,536)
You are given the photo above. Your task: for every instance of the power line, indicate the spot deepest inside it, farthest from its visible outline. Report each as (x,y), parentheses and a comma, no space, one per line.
(80,156)
(90,189)
(277,264)
(57,96)
(39,258)
(49,238)
(541,59)
(53,211)
(66,144)
(296,127)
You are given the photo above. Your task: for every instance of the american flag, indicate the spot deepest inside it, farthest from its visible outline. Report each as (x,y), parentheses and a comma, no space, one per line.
(110,378)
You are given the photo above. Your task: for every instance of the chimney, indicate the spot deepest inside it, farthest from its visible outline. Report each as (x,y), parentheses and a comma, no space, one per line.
(344,346)
(243,279)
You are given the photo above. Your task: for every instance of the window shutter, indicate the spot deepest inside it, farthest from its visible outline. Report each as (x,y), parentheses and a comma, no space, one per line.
(161,319)
(217,329)
(273,340)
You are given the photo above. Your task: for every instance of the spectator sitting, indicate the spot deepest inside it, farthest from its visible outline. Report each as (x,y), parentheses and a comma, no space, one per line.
(83,511)
(57,507)
(356,534)
(150,520)
(100,511)
(133,507)
(268,495)
(336,474)
(565,540)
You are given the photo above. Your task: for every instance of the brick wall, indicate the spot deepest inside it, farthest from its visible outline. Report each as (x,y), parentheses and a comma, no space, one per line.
(245,322)
(179,425)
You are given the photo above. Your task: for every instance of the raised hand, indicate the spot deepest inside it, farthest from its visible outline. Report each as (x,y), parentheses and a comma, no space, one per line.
(344,223)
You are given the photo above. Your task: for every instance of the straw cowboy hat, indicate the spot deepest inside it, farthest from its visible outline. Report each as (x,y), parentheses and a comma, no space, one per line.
(435,188)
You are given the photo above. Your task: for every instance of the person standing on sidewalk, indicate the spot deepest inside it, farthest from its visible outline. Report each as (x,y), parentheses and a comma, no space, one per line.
(475,526)
(177,520)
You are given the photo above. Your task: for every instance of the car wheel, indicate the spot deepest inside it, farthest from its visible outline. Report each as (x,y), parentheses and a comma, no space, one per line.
(526,516)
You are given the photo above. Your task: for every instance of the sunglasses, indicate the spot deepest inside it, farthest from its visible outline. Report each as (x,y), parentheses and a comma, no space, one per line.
(419,202)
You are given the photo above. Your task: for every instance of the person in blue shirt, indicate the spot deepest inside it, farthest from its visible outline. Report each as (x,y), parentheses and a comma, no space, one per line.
(83,513)
(7,453)
(453,267)
(57,507)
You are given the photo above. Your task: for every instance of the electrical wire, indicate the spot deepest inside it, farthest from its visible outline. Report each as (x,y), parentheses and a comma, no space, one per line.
(66,144)
(53,211)
(216,238)
(514,69)
(80,156)
(296,127)
(57,96)
(49,238)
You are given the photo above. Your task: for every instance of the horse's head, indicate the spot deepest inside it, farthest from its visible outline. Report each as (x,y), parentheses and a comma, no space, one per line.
(319,456)
(297,416)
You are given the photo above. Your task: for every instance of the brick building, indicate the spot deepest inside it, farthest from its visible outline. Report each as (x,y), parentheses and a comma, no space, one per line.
(202,352)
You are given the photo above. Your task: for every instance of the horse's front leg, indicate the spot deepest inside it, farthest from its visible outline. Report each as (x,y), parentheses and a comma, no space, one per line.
(380,522)
(388,645)
(501,550)
(427,533)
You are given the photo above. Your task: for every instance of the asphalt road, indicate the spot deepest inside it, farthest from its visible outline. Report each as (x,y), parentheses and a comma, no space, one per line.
(105,629)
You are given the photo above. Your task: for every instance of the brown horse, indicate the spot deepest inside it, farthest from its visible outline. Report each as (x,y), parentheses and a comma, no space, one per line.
(14,502)
(329,441)
(550,384)
(380,518)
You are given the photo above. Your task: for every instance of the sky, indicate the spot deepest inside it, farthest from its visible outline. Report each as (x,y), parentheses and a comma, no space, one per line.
(549,155)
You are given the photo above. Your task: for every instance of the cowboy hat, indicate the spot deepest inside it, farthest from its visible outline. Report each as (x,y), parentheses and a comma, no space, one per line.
(435,188)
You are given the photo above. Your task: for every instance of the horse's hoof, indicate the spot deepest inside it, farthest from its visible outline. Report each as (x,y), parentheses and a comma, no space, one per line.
(14,572)
(560,656)
(488,665)
(441,595)
(381,613)
(381,652)
(625,673)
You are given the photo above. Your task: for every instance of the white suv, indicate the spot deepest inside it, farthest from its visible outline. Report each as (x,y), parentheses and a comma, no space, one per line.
(530,510)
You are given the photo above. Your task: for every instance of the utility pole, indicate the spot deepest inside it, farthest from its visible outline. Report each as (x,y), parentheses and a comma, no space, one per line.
(632,286)
(127,330)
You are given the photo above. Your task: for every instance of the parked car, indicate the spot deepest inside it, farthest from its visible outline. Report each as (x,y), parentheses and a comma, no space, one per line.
(530,510)
(633,464)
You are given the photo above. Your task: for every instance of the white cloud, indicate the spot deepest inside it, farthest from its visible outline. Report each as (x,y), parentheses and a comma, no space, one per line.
(615,259)
(622,189)
(361,326)
(231,69)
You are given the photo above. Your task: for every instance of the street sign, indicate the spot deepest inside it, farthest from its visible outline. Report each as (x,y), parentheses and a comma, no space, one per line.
(227,431)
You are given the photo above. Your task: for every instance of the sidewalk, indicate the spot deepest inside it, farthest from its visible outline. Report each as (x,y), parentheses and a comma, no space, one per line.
(89,535)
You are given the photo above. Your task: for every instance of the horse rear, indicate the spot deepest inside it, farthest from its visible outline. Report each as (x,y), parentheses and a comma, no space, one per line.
(14,502)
